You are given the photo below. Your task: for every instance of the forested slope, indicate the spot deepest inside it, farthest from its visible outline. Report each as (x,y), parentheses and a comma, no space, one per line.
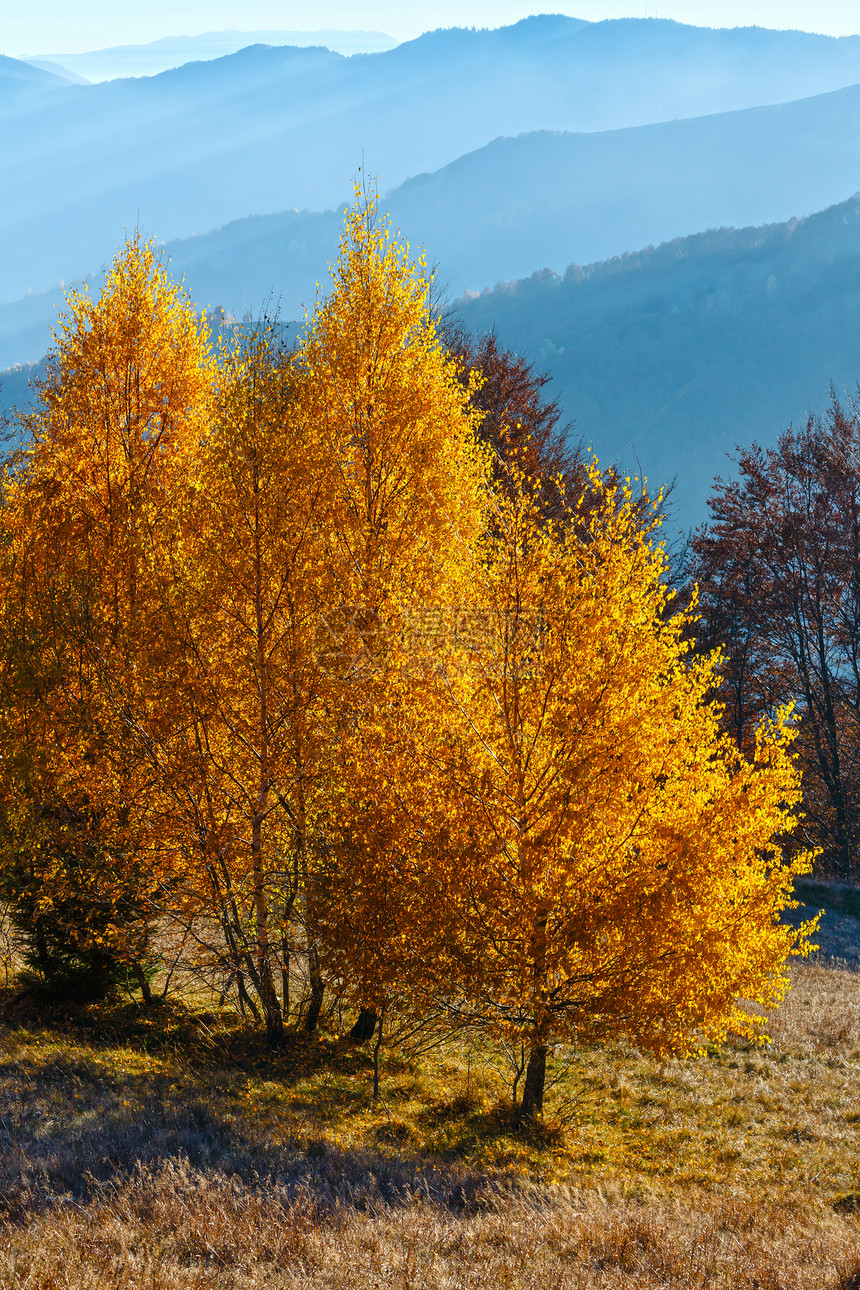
(272,129)
(744,329)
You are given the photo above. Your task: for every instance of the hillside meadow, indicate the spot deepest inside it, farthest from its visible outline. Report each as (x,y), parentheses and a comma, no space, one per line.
(167,1147)
(494,795)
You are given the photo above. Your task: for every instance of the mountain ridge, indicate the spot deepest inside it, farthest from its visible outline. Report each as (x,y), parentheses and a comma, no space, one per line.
(274,128)
(667,357)
(670,356)
(548,198)
(19,78)
(148,58)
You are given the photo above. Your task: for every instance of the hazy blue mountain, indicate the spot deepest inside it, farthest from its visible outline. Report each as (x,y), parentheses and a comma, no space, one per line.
(24,86)
(542,199)
(745,329)
(172,51)
(16,391)
(269,129)
(263,264)
(25,326)
(545,199)
(65,73)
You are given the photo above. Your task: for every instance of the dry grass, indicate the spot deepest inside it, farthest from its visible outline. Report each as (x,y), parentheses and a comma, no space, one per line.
(166,1149)
(178,1228)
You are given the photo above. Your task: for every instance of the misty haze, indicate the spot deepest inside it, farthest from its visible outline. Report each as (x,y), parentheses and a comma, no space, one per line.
(430,646)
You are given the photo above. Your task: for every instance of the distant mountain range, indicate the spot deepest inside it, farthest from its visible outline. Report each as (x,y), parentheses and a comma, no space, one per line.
(173,51)
(269,129)
(502,153)
(539,200)
(667,358)
(64,73)
(23,86)
(670,357)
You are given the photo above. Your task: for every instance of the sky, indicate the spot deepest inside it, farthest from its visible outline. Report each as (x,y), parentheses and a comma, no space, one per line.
(54,26)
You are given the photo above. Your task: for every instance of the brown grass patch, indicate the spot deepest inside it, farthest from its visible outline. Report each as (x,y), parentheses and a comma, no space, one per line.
(166,1148)
(176,1227)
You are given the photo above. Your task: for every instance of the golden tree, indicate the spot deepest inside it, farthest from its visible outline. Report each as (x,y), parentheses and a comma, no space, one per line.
(407,480)
(384,397)
(334,486)
(85,522)
(575,849)
(251,589)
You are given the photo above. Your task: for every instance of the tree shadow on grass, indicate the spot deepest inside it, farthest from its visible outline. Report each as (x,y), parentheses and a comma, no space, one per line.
(469,1125)
(69,1134)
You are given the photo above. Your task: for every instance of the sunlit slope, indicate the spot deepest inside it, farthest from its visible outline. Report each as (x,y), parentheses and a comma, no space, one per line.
(270,129)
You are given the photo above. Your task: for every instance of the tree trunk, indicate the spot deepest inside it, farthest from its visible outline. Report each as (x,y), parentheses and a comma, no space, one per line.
(268,994)
(41,946)
(364,1026)
(317,989)
(232,925)
(531,1107)
(138,974)
(376,1048)
(245,1000)
(271,1004)
(265,975)
(285,975)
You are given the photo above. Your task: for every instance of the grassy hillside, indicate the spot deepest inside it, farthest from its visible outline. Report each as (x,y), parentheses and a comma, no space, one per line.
(167,1149)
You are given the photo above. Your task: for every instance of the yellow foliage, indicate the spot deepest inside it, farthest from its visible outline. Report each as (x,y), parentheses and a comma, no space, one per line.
(548,833)
(383,396)
(276,653)
(86,524)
